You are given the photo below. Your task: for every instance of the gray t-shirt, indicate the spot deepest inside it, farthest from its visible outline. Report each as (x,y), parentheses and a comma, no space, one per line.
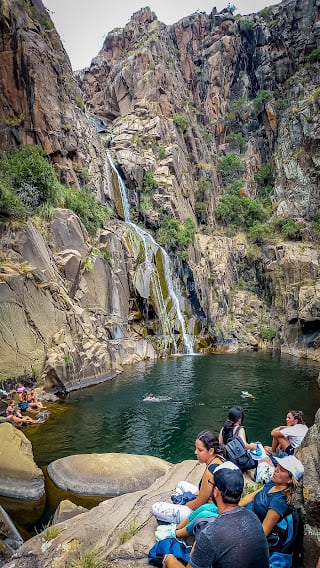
(234,540)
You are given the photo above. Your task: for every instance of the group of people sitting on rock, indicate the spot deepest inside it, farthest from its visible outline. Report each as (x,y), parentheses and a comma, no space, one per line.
(236,530)
(26,401)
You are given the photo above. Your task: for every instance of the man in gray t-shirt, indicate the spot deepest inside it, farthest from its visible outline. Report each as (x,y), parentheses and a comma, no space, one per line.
(236,538)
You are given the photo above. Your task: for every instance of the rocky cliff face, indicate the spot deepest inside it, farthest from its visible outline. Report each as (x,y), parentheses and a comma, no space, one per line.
(39,99)
(213,107)
(177,100)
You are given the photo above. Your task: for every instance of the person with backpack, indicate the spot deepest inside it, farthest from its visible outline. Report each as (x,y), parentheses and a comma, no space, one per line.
(233,437)
(209,452)
(233,428)
(272,502)
(235,537)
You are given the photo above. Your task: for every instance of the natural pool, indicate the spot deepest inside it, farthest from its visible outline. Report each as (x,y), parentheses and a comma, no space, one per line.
(112,417)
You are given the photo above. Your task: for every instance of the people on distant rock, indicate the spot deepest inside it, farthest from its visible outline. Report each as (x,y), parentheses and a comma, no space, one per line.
(10,408)
(233,427)
(33,401)
(235,537)
(270,503)
(18,420)
(288,437)
(22,399)
(189,497)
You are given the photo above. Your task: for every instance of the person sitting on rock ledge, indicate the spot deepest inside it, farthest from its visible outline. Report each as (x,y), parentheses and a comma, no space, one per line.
(235,538)
(286,438)
(271,502)
(208,452)
(22,399)
(18,420)
(33,401)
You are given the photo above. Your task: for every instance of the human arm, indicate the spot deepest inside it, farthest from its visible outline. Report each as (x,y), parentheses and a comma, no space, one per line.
(277,432)
(204,491)
(242,434)
(248,498)
(270,520)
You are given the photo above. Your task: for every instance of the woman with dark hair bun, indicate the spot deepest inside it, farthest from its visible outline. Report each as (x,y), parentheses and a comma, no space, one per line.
(233,428)
(288,437)
(209,452)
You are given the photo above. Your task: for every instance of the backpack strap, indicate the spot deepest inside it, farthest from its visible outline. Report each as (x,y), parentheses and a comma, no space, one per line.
(238,428)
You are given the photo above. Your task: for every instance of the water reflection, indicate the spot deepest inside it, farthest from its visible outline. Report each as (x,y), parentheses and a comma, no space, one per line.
(112,416)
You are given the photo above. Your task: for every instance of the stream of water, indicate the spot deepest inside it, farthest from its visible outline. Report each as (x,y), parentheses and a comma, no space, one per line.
(112,417)
(150,273)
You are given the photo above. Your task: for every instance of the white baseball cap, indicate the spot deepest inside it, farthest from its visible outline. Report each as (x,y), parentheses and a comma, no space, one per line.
(292,464)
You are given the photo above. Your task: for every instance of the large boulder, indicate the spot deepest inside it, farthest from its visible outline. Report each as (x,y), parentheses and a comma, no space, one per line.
(20,477)
(22,490)
(106,475)
(122,527)
(309,454)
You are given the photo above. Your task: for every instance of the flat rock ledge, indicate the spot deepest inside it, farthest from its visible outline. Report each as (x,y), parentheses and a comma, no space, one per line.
(106,475)
(20,477)
(104,528)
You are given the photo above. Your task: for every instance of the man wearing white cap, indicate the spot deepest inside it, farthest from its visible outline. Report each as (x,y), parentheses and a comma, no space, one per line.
(235,538)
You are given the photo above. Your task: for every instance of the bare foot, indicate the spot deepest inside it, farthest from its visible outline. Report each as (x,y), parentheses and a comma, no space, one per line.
(268,449)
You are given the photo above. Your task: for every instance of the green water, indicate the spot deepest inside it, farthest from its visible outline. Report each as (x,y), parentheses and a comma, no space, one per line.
(112,417)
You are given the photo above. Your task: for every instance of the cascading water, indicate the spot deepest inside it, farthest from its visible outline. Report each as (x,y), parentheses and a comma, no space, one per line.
(150,273)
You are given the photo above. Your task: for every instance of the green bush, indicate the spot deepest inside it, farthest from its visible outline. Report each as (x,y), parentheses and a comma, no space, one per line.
(204,187)
(29,173)
(85,205)
(313,56)
(162,152)
(230,167)
(46,211)
(261,97)
(80,102)
(237,141)
(175,235)
(246,24)
(234,186)
(148,183)
(265,13)
(202,195)
(238,108)
(10,204)
(29,185)
(260,231)
(181,121)
(240,212)
(267,334)
(265,180)
(290,229)
(201,211)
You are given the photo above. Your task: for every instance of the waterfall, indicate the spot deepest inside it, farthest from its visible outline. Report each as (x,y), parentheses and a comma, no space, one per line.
(150,273)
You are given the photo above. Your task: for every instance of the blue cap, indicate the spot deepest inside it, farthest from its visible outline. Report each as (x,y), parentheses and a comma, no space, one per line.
(229,479)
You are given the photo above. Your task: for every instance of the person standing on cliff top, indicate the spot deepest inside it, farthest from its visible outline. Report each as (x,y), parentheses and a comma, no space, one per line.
(235,538)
